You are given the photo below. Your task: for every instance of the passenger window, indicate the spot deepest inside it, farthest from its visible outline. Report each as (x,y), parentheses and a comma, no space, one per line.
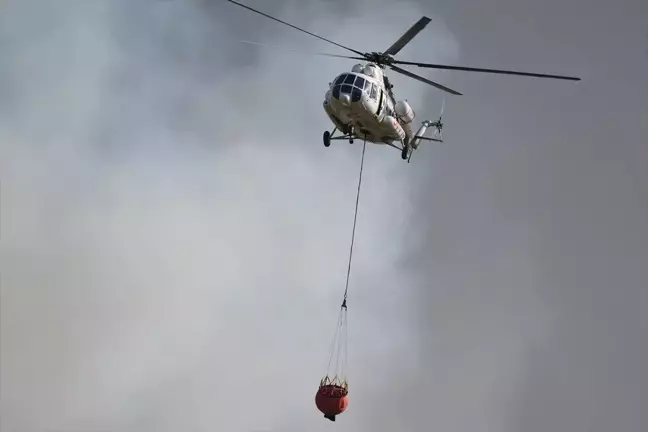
(349,79)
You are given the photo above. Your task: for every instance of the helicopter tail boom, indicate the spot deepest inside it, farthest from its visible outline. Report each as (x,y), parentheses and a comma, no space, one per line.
(420,135)
(437,125)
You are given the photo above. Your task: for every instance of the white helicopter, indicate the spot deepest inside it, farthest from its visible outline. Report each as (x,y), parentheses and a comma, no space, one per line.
(361,103)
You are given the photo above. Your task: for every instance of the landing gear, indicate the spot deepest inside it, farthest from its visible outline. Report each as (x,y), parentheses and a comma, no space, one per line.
(327,138)
(405,152)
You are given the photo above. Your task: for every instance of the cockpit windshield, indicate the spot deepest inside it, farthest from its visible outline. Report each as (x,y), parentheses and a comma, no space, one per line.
(354,85)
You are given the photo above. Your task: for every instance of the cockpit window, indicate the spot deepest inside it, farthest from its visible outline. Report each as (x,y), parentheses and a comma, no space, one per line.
(356,95)
(354,86)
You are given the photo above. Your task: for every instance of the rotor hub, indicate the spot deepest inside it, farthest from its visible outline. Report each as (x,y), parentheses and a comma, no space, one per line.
(380,59)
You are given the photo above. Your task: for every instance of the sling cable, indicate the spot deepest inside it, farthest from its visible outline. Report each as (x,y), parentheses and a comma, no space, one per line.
(332,397)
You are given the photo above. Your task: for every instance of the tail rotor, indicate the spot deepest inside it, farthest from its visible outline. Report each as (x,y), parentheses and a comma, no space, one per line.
(438,125)
(420,134)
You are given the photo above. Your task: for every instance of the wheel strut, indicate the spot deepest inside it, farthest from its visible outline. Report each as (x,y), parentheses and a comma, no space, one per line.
(405,152)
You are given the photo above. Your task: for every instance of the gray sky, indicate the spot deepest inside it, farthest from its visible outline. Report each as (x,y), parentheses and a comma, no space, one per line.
(174,234)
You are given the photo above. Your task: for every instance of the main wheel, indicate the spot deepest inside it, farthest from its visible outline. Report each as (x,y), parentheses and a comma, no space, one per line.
(327,138)
(405,153)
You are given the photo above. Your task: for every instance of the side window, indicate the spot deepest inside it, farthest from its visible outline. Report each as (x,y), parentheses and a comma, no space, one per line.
(374,93)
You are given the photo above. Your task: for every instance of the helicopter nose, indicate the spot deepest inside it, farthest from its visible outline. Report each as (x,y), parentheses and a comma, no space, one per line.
(345,99)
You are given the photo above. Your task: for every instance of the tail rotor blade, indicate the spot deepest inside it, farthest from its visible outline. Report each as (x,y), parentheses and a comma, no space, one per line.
(438,125)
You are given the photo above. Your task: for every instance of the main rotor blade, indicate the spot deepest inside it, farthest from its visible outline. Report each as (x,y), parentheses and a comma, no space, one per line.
(408,36)
(425,80)
(301,51)
(493,71)
(297,28)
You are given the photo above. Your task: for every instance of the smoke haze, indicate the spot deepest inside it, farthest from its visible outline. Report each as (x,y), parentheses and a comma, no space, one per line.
(175,235)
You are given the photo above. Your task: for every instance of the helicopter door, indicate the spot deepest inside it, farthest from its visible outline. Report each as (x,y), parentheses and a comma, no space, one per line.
(380,103)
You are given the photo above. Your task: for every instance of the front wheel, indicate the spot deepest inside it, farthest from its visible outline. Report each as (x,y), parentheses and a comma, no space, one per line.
(327,138)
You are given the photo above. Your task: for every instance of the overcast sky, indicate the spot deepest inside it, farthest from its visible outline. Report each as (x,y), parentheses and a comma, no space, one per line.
(174,234)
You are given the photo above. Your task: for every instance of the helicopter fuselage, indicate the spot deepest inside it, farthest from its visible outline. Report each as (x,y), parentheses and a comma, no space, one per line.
(358,104)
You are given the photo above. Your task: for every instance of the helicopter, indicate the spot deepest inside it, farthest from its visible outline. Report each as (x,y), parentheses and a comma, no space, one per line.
(361,103)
